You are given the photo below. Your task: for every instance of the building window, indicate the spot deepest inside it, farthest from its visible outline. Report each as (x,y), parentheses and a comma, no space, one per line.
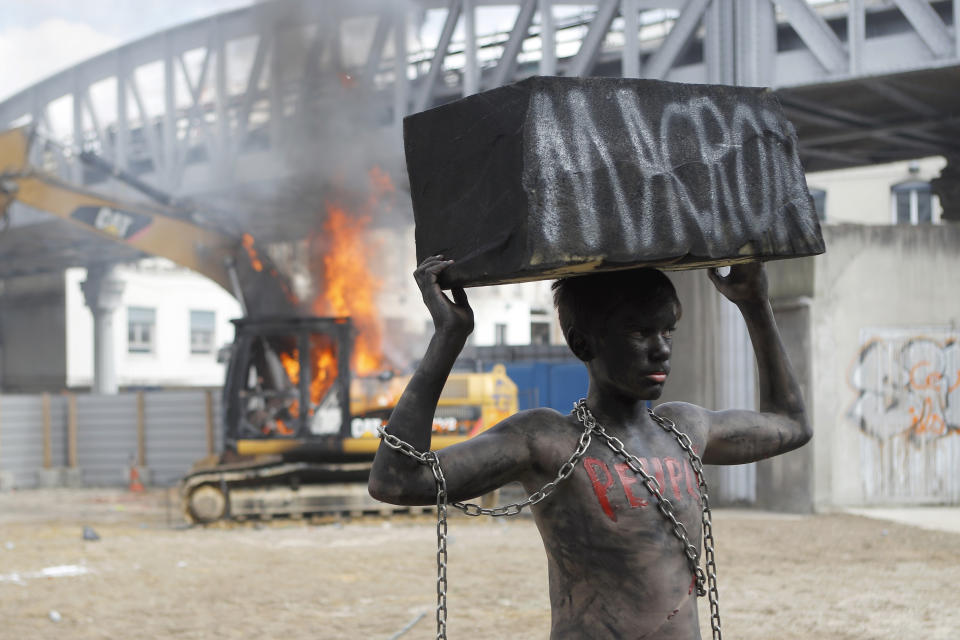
(201,331)
(141,329)
(500,334)
(912,203)
(539,333)
(819,203)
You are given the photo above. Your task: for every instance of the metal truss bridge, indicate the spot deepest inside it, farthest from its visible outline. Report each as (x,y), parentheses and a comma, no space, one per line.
(263,108)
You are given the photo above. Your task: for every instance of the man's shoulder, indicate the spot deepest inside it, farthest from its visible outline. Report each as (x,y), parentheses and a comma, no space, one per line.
(684,414)
(538,417)
(679,409)
(532,423)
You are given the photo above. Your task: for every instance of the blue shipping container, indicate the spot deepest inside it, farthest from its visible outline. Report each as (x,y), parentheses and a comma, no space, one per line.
(548,384)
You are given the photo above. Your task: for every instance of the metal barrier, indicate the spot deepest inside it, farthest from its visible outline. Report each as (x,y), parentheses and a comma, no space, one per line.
(94,440)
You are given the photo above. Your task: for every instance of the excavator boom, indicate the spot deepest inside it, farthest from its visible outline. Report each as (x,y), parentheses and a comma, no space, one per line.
(230,261)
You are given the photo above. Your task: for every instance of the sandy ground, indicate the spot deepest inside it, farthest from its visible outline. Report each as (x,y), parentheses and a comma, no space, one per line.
(781,577)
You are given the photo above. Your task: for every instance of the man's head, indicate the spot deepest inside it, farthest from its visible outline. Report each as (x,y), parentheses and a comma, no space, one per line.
(620,324)
(585,303)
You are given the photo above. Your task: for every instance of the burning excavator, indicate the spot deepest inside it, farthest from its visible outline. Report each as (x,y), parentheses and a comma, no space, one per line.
(306,385)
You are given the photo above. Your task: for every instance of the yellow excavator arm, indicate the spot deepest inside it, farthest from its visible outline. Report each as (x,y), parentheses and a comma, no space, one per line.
(232,262)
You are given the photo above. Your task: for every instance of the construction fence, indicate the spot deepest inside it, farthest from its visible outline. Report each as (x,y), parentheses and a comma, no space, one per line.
(95,440)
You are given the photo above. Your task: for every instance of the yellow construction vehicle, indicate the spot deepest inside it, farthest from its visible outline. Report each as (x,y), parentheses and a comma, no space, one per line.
(286,434)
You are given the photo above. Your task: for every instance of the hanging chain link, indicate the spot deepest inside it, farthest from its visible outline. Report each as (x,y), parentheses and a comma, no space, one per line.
(590,426)
(706,580)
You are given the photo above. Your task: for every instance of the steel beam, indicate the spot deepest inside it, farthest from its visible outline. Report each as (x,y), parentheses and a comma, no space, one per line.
(170,155)
(95,123)
(928,26)
(956,28)
(586,57)
(401,84)
(630,59)
(439,55)
(856,34)
(149,132)
(737,39)
(220,99)
(677,40)
(375,55)
(900,97)
(122,147)
(78,88)
(471,66)
(195,116)
(756,42)
(275,88)
(884,131)
(718,43)
(548,39)
(804,110)
(507,66)
(253,88)
(836,156)
(816,34)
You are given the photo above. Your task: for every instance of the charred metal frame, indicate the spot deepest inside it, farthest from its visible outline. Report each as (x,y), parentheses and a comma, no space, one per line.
(248,331)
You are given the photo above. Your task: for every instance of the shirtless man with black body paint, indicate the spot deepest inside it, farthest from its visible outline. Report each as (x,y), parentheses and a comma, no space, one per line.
(616,570)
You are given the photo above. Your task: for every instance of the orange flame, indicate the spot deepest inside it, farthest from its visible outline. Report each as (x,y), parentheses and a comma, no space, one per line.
(254,258)
(324,364)
(346,282)
(291,362)
(349,287)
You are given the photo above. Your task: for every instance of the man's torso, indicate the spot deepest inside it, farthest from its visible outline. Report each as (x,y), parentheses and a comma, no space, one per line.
(616,568)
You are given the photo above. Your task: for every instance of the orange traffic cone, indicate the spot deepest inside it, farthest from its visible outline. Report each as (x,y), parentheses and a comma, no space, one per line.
(135,485)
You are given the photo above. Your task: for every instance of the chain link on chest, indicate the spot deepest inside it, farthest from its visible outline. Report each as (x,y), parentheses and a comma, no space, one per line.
(706,579)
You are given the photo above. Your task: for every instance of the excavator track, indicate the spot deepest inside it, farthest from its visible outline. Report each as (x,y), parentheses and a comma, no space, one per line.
(279,490)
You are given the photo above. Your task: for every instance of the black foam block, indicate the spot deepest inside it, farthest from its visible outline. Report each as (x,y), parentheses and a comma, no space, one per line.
(559,176)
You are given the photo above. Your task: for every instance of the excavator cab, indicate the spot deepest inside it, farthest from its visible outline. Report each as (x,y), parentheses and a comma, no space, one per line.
(288,385)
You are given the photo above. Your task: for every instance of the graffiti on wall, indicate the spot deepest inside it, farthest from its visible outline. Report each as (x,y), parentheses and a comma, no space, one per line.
(907,383)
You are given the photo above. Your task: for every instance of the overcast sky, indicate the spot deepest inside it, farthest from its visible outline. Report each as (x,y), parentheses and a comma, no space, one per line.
(40,37)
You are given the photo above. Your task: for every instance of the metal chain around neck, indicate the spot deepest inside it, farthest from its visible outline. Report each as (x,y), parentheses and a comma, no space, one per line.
(590,426)
(706,580)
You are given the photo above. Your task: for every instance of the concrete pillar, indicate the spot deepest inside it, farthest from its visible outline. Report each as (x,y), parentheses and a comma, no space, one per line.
(713,366)
(947,188)
(102,291)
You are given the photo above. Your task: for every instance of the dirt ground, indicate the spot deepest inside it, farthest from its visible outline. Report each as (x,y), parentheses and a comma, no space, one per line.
(781,577)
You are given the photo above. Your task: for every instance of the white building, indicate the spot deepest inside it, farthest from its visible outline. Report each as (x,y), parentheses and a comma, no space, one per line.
(898,192)
(168,327)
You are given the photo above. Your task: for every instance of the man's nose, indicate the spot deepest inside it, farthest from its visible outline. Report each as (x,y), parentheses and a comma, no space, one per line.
(661,348)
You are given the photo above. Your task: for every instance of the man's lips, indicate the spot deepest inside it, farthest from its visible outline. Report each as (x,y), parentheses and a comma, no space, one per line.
(659,376)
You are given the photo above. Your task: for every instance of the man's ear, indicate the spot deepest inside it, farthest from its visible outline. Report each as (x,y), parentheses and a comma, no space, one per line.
(579,344)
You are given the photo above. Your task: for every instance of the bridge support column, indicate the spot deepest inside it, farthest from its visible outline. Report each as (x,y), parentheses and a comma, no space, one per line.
(102,292)
(947,188)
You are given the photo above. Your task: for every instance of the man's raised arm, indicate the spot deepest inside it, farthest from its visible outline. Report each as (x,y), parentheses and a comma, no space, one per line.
(781,425)
(395,477)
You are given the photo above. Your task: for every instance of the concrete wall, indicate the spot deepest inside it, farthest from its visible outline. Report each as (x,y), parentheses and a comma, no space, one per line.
(32,333)
(893,282)
(784,483)
(872,328)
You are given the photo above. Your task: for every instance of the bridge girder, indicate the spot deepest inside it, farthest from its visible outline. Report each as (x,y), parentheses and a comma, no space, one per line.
(256,95)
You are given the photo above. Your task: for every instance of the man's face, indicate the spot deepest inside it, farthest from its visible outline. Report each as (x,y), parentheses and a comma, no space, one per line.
(631,350)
